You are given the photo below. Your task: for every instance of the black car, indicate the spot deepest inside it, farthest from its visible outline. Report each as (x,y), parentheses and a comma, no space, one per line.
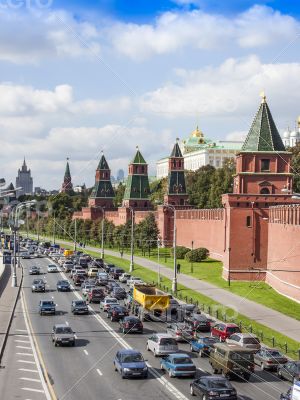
(212,387)
(116,313)
(79,307)
(289,371)
(108,267)
(47,307)
(63,286)
(116,272)
(34,270)
(111,285)
(97,262)
(131,324)
(119,293)
(198,322)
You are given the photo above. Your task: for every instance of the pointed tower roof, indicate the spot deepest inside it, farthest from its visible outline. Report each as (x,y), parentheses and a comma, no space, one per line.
(24,163)
(10,186)
(138,158)
(102,163)
(67,171)
(176,152)
(263,135)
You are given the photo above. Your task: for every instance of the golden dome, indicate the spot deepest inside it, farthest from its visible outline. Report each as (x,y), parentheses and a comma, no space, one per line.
(197,133)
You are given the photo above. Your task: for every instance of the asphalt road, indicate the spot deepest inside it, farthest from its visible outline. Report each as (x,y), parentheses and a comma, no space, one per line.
(86,370)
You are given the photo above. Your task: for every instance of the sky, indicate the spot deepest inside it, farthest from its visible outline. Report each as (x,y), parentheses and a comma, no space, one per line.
(80,77)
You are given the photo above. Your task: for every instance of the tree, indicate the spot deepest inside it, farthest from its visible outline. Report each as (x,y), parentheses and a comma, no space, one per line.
(197,255)
(181,252)
(119,194)
(147,231)
(158,189)
(295,166)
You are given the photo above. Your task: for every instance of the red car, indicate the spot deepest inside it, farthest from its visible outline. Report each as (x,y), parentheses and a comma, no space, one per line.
(222,331)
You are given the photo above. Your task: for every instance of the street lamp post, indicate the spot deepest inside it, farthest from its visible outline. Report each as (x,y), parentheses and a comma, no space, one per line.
(158,261)
(75,234)
(192,265)
(174,281)
(131,267)
(54,227)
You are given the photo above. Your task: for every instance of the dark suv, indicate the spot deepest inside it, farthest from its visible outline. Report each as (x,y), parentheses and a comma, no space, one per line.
(116,272)
(47,307)
(198,322)
(95,295)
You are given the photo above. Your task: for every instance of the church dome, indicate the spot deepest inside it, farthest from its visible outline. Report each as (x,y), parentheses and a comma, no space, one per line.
(197,133)
(286,134)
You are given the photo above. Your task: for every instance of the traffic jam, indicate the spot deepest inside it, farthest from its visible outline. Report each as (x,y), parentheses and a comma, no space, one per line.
(184,339)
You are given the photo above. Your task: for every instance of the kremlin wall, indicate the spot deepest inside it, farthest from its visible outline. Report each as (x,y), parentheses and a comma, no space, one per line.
(257,232)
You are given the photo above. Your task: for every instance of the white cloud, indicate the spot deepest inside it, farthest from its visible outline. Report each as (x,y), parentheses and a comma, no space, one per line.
(226,90)
(172,31)
(32,36)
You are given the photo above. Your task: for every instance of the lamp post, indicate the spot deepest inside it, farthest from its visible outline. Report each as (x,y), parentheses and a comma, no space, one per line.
(75,234)
(131,267)
(158,261)
(174,281)
(102,230)
(54,222)
(192,265)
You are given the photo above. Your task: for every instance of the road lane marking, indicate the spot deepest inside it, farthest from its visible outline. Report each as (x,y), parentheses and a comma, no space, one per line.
(24,354)
(85,352)
(21,330)
(30,379)
(21,335)
(67,323)
(32,390)
(26,361)
(23,347)
(99,372)
(22,341)
(28,370)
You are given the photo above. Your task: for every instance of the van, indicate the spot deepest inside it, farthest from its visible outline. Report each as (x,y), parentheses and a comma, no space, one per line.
(162,344)
(231,361)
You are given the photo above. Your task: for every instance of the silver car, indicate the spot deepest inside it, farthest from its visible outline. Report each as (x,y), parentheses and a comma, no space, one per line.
(161,344)
(63,334)
(245,340)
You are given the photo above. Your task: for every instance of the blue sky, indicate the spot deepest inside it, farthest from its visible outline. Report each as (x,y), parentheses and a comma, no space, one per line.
(79,77)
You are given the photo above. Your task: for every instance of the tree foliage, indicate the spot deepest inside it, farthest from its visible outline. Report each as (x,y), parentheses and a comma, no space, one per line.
(181,252)
(197,255)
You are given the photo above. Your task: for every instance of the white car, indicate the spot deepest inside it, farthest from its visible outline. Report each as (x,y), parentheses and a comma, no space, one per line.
(162,344)
(134,281)
(124,277)
(108,302)
(52,268)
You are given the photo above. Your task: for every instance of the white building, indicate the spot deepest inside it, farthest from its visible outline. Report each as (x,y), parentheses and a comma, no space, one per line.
(199,151)
(291,138)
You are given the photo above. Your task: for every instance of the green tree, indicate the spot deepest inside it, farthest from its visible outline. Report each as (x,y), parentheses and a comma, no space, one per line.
(119,194)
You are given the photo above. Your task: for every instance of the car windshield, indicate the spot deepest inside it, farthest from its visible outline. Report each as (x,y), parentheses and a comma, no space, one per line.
(251,341)
(132,320)
(207,340)
(129,358)
(63,283)
(168,342)
(232,329)
(47,303)
(80,303)
(111,301)
(182,360)
(240,356)
(219,384)
(273,353)
(64,329)
(37,282)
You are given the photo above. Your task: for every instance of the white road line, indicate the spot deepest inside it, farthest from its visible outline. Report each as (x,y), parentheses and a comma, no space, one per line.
(30,379)
(23,347)
(24,354)
(33,390)
(163,381)
(67,323)
(26,362)
(99,372)
(21,330)
(85,352)
(75,336)
(22,341)
(28,370)
(21,335)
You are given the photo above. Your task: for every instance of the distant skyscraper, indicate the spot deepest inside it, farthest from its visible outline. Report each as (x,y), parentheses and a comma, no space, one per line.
(24,180)
(67,186)
(120,175)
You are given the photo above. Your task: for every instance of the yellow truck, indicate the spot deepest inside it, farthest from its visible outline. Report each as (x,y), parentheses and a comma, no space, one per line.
(68,253)
(150,303)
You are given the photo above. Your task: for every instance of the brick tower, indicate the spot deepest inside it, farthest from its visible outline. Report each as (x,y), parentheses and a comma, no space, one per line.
(176,194)
(102,193)
(67,186)
(137,186)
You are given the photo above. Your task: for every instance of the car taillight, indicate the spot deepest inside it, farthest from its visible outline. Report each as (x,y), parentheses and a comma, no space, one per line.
(178,333)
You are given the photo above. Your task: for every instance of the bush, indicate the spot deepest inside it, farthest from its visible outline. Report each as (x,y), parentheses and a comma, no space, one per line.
(197,255)
(181,252)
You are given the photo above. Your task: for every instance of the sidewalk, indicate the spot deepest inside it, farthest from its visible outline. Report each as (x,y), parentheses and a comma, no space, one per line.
(257,312)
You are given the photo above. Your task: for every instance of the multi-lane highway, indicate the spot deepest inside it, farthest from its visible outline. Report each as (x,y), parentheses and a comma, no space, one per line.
(86,370)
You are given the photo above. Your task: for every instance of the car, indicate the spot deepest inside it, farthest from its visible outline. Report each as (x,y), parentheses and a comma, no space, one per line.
(47,307)
(161,344)
(63,286)
(115,313)
(52,268)
(289,371)
(86,287)
(63,334)
(223,331)
(34,270)
(176,331)
(78,279)
(95,295)
(131,324)
(79,307)
(97,262)
(124,277)
(108,302)
(116,272)
(130,363)
(245,340)
(38,285)
(108,267)
(269,359)
(203,345)
(119,293)
(83,262)
(178,364)
(26,255)
(198,322)
(75,269)
(287,395)
(111,285)
(102,278)
(134,281)
(211,387)
(92,272)
(68,266)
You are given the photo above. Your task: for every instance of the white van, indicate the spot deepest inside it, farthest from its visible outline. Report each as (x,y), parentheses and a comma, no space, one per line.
(161,344)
